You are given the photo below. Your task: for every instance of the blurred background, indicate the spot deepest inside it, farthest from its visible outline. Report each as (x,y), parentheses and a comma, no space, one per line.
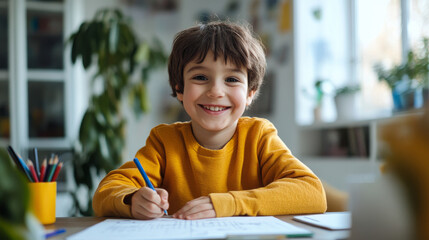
(337,72)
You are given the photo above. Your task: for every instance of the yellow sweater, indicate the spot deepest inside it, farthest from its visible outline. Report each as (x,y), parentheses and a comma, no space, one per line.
(253,174)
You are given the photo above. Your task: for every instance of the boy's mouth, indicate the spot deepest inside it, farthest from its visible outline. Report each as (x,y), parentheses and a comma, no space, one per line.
(214,108)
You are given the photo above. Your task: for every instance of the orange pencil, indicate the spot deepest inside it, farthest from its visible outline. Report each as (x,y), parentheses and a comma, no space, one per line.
(32,171)
(43,170)
(57,171)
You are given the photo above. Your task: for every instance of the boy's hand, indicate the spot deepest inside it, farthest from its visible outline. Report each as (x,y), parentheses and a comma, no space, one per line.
(198,208)
(148,204)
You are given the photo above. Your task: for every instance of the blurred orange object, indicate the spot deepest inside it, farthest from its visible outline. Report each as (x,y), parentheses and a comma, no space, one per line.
(407,155)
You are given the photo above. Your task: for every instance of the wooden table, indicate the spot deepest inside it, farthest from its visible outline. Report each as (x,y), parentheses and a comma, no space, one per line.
(77,224)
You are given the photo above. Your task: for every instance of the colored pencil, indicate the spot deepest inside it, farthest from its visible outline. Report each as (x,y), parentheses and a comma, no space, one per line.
(53,168)
(55,232)
(14,156)
(43,170)
(146,178)
(32,171)
(48,169)
(36,161)
(26,169)
(57,171)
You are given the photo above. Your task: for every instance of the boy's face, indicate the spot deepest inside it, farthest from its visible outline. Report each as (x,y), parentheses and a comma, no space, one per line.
(215,94)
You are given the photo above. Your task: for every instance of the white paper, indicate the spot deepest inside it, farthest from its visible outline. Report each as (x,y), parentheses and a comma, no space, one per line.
(329,220)
(171,228)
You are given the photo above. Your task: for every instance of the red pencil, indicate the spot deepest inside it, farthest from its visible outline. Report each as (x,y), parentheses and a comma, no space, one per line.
(57,170)
(32,171)
(43,170)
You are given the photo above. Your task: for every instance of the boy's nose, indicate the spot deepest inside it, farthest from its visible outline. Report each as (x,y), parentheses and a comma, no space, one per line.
(215,91)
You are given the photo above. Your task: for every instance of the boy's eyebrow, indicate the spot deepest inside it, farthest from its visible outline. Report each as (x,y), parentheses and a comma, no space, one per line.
(199,67)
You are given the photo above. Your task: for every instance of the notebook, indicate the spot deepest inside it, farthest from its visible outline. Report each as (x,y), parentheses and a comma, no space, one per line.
(330,220)
(174,229)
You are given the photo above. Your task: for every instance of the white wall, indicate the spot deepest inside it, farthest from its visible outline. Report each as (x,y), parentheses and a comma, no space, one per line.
(166,26)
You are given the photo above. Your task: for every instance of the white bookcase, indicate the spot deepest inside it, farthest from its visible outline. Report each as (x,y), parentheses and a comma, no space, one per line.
(344,152)
(38,86)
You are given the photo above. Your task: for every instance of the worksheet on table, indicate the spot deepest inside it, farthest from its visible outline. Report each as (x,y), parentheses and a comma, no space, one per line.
(171,228)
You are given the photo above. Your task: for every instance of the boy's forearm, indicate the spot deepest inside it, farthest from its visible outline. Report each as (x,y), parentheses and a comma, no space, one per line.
(110,199)
(284,196)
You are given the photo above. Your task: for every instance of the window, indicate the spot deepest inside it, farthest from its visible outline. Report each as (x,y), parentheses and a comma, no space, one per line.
(36,109)
(340,41)
(418,22)
(4,79)
(378,39)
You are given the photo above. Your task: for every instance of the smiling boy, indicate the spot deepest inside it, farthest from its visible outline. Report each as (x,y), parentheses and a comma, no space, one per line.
(218,164)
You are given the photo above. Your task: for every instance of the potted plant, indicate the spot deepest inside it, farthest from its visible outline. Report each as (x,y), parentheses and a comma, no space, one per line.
(421,68)
(393,77)
(406,80)
(317,97)
(109,39)
(346,101)
(16,220)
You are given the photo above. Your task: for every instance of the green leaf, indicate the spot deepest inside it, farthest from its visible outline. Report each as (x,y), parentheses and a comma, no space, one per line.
(144,102)
(81,47)
(9,230)
(104,149)
(74,49)
(109,38)
(14,197)
(87,132)
(94,36)
(113,37)
(131,60)
(142,54)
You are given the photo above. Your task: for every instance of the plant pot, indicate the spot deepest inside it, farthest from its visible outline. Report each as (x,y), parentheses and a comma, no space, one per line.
(347,106)
(421,97)
(317,113)
(408,99)
(425,93)
(397,102)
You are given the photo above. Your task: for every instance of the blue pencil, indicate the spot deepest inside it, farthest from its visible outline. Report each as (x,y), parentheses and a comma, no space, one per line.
(145,177)
(36,161)
(15,158)
(26,169)
(55,232)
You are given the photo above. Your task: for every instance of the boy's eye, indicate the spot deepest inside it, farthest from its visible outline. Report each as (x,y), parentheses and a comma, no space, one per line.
(200,77)
(231,79)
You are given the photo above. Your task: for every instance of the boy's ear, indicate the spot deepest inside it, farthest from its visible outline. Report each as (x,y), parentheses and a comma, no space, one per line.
(250,97)
(179,95)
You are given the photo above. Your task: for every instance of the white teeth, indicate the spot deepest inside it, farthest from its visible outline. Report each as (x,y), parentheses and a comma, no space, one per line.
(214,109)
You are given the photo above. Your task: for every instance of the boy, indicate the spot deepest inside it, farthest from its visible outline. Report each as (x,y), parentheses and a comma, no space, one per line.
(219,164)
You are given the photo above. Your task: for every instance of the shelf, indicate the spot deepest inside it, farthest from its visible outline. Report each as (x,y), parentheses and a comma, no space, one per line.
(41,75)
(4,142)
(51,143)
(347,141)
(363,121)
(3,75)
(45,6)
(333,159)
(37,97)
(339,142)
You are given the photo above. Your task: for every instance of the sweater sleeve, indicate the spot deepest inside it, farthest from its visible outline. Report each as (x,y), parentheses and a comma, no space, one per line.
(289,187)
(109,197)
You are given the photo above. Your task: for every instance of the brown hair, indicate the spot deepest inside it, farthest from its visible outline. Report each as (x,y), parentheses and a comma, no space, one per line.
(234,42)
